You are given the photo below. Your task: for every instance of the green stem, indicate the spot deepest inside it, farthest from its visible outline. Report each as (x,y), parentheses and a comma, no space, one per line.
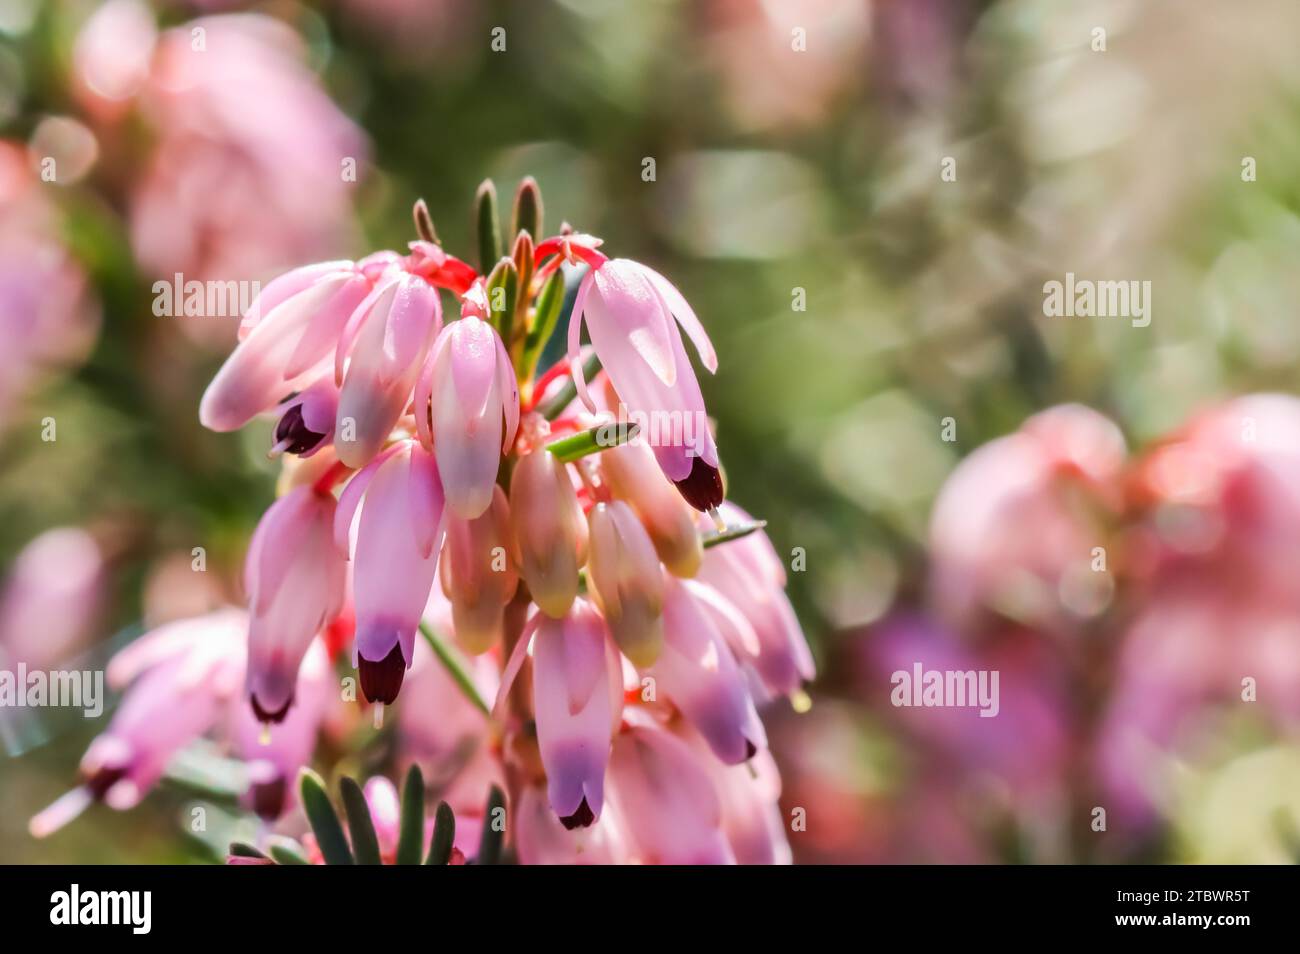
(456,666)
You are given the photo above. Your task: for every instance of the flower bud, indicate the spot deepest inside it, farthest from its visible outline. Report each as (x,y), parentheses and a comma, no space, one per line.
(627,581)
(477,575)
(632,475)
(550,534)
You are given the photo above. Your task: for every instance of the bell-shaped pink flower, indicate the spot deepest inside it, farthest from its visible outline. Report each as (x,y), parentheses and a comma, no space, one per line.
(664,793)
(630,473)
(632,315)
(542,839)
(398,536)
(577,699)
(751,811)
(295,580)
(697,672)
(378,360)
(626,581)
(471,384)
(180,676)
(550,531)
(478,576)
(285,340)
(307,420)
(749,574)
(274,756)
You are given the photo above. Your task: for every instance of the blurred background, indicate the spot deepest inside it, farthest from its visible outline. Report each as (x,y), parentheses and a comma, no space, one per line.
(1107,515)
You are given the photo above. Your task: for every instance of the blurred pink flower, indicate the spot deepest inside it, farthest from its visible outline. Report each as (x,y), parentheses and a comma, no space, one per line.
(180,682)
(238,116)
(1014,528)
(51,599)
(48,318)
(1213,563)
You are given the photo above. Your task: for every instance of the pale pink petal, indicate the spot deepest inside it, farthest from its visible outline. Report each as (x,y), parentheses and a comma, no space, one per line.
(685,315)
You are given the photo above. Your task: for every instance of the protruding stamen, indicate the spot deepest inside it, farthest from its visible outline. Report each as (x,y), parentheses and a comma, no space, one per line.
(379,715)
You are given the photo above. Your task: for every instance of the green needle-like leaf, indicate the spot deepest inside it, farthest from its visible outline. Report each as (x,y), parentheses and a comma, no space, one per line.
(488,225)
(411,840)
(365,843)
(241,849)
(593,441)
(450,658)
(731,533)
(324,822)
(550,302)
(527,215)
(554,407)
(492,839)
(502,291)
(286,855)
(444,835)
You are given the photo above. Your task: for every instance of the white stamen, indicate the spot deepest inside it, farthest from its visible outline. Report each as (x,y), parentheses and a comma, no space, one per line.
(379,715)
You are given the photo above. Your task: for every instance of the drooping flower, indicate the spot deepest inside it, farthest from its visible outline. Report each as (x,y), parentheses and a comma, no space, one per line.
(626,581)
(632,314)
(667,799)
(470,383)
(750,576)
(295,580)
(181,675)
(577,700)
(286,339)
(394,560)
(273,757)
(550,532)
(697,672)
(378,360)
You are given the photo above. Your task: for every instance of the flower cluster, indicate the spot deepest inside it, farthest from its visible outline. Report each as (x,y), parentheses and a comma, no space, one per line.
(636,619)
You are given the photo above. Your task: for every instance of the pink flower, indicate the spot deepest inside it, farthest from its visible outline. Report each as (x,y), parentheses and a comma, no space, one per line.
(286,339)
(250,162)
(273,758)
(51,598)
(296,581)
(751,577)
(471,384)
(697,672)
(577,700)
(48,320)
(182,675)
(383,346)
(632,314)
(1013,528)
(751,812)
(542,839)
(398,536)
(666,797)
